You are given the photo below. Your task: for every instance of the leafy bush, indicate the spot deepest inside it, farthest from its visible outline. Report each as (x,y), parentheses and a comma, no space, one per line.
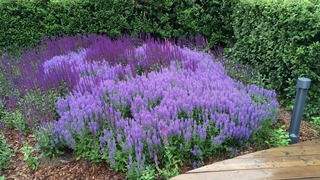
(15,121)
(45,138)
(282,37)
(173,19)
(270,138)
(29,110)
(5,153)
(29,157)
(22,23)
(25,23)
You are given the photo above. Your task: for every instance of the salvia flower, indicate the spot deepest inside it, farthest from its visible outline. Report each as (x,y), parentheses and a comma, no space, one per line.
(178,94)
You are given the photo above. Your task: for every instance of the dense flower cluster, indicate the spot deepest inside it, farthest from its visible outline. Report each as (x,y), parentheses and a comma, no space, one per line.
(190,99)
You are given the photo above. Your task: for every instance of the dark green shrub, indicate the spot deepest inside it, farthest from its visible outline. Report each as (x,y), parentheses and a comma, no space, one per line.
(174,18)
(83,17)
(25,23)
(283,38)
(21,23)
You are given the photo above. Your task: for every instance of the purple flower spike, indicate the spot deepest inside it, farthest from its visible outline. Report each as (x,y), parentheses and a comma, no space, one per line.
(139,98)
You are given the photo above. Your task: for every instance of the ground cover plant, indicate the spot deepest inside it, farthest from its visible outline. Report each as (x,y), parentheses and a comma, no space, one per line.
(144,106)
(5,153)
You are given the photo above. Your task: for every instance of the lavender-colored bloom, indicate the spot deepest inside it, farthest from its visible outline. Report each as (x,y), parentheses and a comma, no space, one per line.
(194,165)
(94,127)
(112,149)
(69,139)
(179,93)
(155,157)
(129,165)
(233,151)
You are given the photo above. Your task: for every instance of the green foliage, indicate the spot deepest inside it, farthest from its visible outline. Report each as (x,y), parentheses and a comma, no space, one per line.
(11,119)
(5,153)
(32,108)
(87,147)
(4,82)
(147,174)
(41,100)
(14,120)
(269,136)
(2,110)
(25,23)
(278,137)
(282,38)
(172,19)
(22,23)
(2,178)
(38,106)
(29,157)
(172,162)
(242,72)
(315,121)
(45,139)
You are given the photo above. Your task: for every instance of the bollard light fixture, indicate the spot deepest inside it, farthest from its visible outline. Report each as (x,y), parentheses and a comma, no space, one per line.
(303,84)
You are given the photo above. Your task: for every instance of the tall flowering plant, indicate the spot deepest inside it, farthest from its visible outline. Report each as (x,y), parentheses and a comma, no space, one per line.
(189,108)
(142,107)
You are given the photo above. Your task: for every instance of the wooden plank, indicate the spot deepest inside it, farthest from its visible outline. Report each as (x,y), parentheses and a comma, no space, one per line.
(298,161)
(308,143)
(273,173)
(260,163)
(285,151)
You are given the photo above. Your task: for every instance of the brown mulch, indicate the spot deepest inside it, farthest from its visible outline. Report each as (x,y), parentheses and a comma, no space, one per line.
(67,167)
(307,131)
(61,167)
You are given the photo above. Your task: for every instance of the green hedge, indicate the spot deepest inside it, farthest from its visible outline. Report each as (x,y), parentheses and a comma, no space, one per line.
(21,23)
(25,23)
(282,36)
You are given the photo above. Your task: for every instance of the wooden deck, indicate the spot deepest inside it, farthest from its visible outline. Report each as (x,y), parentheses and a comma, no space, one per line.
(298,161)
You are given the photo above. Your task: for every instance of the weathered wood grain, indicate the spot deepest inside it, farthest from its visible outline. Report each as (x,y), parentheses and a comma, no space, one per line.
(298,161)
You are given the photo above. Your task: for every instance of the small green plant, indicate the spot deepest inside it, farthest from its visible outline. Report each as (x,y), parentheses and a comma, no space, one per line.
(148,174)
(315,121)
(278,137)
(37,106)
(14,120)
(29,157)
(5,153)
(259,138)
(87,147)
(171,166)
(2,178)
(44,140)
(267,137)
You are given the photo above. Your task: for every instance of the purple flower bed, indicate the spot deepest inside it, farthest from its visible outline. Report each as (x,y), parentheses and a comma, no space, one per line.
(191,103)
(143,107)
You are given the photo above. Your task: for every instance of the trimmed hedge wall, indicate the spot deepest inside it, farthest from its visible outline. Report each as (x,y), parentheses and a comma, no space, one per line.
(283,38)
(25,23)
